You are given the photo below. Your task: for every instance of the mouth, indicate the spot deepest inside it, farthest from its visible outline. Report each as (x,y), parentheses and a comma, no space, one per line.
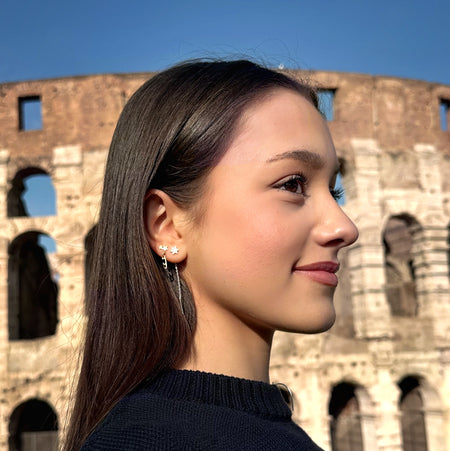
(322,272)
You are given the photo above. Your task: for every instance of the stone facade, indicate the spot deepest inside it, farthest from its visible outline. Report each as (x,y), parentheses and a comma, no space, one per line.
(387,359)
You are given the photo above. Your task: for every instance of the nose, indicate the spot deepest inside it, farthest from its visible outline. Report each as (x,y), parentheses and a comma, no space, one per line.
(334,228)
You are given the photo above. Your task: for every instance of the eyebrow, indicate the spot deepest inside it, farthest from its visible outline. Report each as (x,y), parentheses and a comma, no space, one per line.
(312,159)
(305,156)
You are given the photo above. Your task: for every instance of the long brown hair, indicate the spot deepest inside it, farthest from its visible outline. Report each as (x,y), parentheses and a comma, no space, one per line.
(171,133)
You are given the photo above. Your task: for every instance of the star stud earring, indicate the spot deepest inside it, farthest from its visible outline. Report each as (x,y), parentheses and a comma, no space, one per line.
(173,250)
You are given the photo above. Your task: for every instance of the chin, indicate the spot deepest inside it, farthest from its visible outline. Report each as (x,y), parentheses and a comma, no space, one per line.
(326,325)
(317,324)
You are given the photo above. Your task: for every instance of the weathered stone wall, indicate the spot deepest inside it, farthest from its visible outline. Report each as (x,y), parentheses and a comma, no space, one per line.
(79,111)
(396,159)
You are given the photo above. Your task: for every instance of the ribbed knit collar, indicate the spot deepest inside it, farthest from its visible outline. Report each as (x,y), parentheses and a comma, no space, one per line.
(249,396)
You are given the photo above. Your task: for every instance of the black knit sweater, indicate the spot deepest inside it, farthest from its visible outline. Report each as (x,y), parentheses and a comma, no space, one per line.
(191,410)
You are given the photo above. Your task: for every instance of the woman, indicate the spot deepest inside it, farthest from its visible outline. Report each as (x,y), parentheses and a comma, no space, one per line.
(218,226)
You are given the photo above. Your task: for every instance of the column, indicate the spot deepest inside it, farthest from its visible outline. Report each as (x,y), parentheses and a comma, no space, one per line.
(366,258)
(430,248)
(385,395)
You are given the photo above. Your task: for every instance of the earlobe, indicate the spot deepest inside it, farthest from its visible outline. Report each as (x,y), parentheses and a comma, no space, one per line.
(162,224)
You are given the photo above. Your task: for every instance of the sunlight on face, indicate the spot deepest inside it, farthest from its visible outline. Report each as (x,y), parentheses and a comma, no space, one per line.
(265,255)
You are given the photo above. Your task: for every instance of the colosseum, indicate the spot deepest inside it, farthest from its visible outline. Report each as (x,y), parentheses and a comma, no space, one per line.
(378,380)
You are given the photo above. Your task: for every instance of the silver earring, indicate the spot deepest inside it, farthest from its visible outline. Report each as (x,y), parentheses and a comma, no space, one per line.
(173,250)
(179,288)
(164,260)
(286,393)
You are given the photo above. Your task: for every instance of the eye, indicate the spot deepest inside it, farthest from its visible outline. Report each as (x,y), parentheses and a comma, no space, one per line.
(295,184)
(337,193)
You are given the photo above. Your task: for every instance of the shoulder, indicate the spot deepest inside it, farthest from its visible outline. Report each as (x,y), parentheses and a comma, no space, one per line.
(140,421)
(147,421)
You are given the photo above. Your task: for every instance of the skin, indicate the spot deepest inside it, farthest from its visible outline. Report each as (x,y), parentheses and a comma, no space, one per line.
(268,213)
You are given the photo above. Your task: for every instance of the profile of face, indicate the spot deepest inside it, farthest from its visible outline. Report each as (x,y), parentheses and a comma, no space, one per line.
(265,252)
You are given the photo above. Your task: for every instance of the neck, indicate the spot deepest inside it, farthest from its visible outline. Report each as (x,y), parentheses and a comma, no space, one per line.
(224,344)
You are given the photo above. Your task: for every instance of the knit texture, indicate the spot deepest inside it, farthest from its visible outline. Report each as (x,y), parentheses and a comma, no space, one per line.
(191,410)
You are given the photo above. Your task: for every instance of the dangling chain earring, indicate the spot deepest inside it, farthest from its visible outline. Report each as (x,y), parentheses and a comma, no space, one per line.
(164,260)
(286,393)
(173,250)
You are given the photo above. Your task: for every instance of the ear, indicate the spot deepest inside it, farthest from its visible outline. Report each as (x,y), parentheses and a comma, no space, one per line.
(163,221)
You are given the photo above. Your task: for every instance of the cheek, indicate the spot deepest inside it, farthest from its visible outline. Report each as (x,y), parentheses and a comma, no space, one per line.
(250,240)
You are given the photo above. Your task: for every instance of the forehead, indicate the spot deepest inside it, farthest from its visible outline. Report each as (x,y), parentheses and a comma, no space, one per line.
(284,121)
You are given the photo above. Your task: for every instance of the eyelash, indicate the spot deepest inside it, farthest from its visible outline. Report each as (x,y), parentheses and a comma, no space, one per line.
(302,181)
(337,193)
(299,179)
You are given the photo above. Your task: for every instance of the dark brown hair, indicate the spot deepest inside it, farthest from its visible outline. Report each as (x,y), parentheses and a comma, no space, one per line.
(170,135)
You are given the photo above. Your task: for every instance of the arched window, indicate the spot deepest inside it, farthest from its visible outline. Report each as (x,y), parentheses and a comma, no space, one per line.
(413,416)
(31,194)
(33,427)
(345,419)
(326,99)
(32,289)
(399,265)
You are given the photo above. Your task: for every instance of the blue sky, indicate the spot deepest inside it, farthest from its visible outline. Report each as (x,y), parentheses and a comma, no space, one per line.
(53,38)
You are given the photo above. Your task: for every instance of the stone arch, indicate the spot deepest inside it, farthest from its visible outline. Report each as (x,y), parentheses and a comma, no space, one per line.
(421,415)
(32,290)
(16,206)
(352,420)
(400,236)
(33,426)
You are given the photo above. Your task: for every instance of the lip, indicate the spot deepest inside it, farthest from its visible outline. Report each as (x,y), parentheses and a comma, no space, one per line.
(322,272)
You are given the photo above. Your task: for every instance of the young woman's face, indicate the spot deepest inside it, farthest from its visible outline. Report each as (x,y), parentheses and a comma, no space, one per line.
(266,251)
